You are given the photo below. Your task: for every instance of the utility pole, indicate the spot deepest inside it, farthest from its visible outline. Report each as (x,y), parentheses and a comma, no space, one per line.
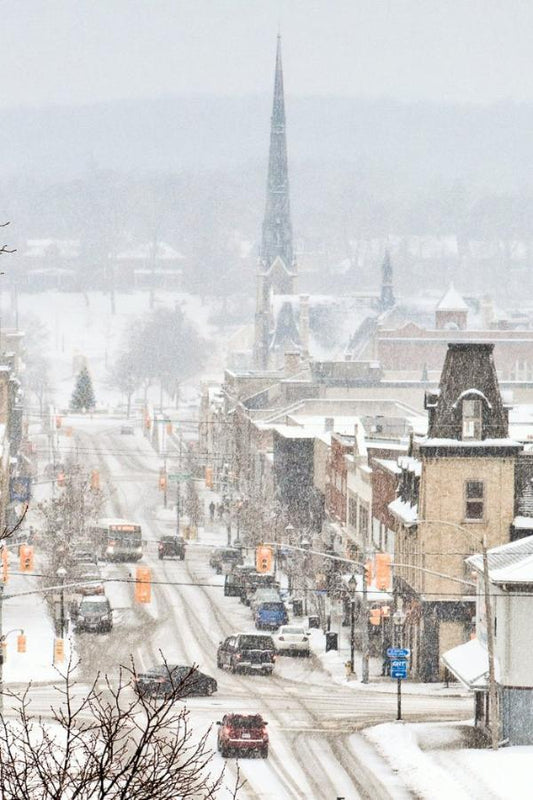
(494,713)
(365,648)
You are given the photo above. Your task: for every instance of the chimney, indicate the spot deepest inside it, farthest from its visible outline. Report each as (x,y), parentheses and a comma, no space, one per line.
(292,363)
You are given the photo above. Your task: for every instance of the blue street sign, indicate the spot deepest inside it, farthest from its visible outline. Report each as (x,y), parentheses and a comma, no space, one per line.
(398,652)
(398,668)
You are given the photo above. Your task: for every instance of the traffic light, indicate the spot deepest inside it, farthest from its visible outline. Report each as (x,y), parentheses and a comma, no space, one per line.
(21,643)
(95,480)
(209,477)
(263,559)
(59,651)
(162,479)
(383,571)
(5,564)
(60,478)
(26,558)
(169,428)
(375,616)
(147,423)
(143,584)
(58,421)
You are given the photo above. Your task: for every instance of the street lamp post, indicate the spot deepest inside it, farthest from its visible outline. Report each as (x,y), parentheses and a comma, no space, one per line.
(289,530)
(61,574)
(352,588)
(305,544)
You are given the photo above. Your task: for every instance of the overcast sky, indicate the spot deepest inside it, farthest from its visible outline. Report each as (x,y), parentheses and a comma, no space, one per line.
(65,51)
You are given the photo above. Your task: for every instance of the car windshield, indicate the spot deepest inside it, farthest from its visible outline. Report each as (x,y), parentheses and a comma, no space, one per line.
(272,606)
(256,642)
(91,608)
(240,721)
(296,631)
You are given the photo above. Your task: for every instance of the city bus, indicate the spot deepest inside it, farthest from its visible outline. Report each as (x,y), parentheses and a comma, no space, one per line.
(117,540)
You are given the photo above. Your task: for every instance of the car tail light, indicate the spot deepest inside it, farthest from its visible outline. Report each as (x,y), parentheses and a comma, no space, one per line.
(112,543)
(282,638)
(304,639)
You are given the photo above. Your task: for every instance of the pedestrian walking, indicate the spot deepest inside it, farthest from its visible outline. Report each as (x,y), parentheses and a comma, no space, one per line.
(220,510)
(211,511)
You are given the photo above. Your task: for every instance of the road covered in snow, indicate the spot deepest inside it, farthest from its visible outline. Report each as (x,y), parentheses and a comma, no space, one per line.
(316,746)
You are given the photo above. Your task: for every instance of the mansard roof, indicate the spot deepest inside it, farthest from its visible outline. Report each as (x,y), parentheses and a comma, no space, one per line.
(468,373)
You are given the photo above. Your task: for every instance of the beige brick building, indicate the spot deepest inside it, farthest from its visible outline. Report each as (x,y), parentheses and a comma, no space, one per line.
(457,489)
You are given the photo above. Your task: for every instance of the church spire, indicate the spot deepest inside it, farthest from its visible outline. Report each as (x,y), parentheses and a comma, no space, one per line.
(277,228)
(387,292)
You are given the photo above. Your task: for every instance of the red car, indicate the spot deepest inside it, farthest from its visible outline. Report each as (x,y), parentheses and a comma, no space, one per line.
(242,734)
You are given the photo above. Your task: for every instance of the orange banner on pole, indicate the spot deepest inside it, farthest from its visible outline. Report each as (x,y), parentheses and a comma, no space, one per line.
(383,571)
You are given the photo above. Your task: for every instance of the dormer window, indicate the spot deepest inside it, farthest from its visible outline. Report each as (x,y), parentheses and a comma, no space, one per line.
(472,419)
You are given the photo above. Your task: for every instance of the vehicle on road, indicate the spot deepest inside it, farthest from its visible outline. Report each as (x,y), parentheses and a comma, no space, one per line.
(270,615)
(162,680)
(240,734)
(264,594)
(234,580)
(87,579)
(117,540)
(292,640)
(127,430)
(93,613)
(223,559)
(247,652)
(254,581)
(171,547)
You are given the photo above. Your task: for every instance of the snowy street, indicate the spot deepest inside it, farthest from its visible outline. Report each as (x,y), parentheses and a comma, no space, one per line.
(314,724)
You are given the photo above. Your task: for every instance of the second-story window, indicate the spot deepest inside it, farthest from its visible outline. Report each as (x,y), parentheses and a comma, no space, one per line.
(472,419)
(474,500)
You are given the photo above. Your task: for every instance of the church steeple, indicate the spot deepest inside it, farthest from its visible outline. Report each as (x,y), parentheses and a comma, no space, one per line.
(387,293)
(277,228)
(277,267)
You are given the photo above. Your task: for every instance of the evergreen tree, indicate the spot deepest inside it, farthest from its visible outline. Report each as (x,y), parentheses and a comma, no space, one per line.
(83,394)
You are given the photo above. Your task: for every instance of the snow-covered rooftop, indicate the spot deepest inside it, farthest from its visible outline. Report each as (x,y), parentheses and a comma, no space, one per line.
(508,563)
(404,512)
(452,301)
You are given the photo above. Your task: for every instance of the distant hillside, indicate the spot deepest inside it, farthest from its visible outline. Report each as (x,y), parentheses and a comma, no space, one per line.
(407,144)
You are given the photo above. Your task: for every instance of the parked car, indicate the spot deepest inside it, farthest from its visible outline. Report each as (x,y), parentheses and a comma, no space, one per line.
(292,640)
(127,430)
(171,547)
(161,681)
(93,613)
(270,615)
(223,559)
(234,580)
(247,652)
(239,734)
(255,580)
(264,594)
